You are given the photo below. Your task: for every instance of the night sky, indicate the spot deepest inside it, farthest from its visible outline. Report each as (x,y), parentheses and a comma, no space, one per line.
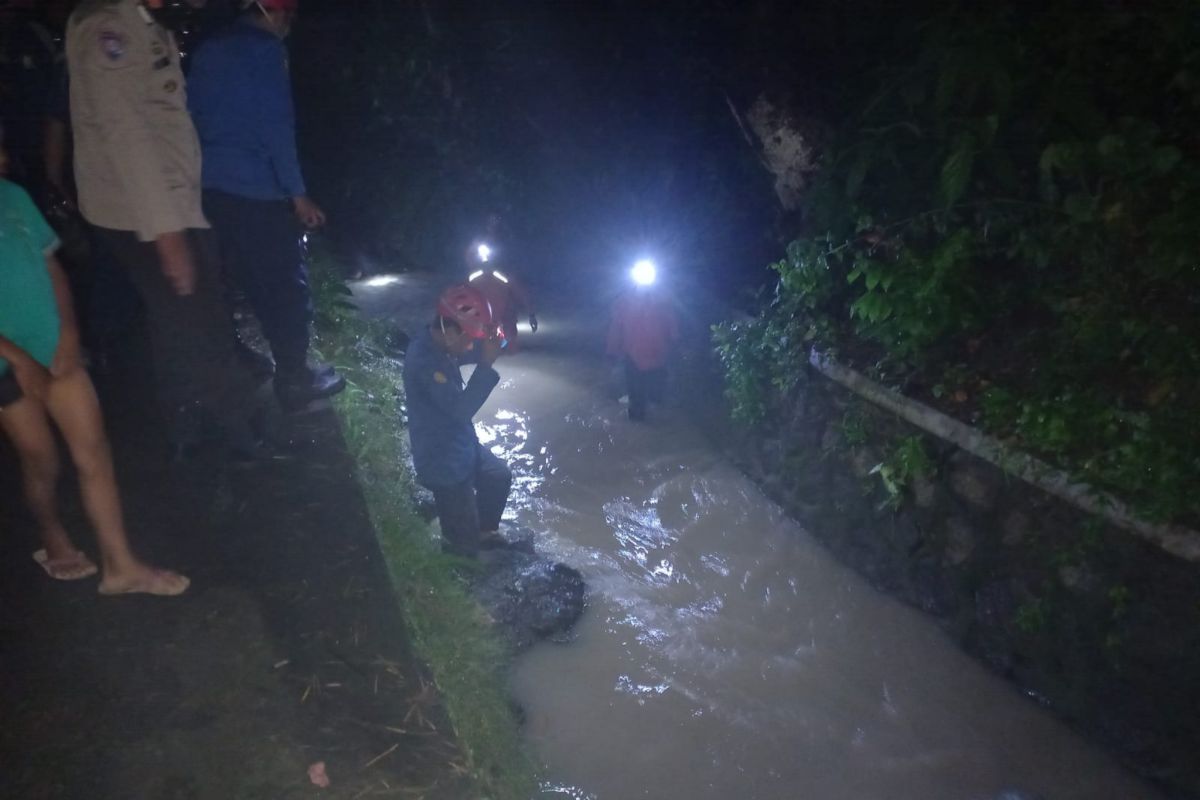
(598,130)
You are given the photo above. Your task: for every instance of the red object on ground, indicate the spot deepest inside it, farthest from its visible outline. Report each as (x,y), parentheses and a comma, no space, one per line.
(644,327)
(316,774)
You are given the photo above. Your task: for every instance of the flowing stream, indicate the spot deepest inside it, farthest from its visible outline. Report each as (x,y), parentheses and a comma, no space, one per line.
(724,655)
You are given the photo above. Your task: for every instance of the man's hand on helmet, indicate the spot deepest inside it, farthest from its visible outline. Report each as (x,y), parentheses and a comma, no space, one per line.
(489,350)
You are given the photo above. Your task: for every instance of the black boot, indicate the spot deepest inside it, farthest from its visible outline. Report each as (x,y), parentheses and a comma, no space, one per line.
(296,388)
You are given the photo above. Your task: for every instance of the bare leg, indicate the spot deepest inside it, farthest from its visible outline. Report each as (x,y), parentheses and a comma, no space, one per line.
(26,425)
(72,404)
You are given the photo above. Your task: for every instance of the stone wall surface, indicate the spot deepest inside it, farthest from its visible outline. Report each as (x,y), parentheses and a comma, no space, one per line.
(1086,618)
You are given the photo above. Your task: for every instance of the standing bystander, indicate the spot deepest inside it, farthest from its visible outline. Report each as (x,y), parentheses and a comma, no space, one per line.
(254,194)
(137,169)
(42,381)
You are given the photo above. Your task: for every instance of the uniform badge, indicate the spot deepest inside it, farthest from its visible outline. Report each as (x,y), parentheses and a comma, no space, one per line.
(439,377)
(112,44)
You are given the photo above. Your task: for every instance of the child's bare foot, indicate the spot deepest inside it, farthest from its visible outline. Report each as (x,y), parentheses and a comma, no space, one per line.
(143,579)
(71,566)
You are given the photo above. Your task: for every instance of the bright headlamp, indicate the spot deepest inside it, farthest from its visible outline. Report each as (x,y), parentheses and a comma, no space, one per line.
(644,273)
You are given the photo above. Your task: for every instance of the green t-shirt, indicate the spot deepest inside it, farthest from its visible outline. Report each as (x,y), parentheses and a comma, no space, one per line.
(28,311)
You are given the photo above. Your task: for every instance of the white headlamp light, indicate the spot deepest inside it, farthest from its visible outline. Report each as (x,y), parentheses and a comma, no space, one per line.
(644,273)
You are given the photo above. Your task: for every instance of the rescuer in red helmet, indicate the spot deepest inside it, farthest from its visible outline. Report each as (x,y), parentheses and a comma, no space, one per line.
(469,484)
(509,300)
(490,265)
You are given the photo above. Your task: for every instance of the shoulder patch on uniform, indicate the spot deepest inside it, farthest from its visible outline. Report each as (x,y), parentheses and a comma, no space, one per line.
(112,44)
(439,377)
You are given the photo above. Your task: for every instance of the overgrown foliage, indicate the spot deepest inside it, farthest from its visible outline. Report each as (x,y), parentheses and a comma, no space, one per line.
(906,461)
(386,125)
(450,632)
(1009,225)
(598,131)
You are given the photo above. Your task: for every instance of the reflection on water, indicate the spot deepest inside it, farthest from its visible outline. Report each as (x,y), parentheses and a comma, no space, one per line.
(558,790)
(640,539)
(723,653)
(506,434)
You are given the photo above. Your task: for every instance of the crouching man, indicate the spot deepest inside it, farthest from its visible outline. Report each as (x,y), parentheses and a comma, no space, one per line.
(470,485)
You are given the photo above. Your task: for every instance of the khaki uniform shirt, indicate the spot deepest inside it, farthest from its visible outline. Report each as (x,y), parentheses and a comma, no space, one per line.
(137,157)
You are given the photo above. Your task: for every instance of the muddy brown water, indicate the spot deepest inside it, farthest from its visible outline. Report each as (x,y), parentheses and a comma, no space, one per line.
(724,653)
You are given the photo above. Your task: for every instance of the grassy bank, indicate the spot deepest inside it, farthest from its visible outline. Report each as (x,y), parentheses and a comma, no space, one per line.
(449,632)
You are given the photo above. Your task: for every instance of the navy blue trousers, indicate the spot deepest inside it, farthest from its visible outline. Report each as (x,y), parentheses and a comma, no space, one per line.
(112,303)
(263,255)
(475,505)
(194,359)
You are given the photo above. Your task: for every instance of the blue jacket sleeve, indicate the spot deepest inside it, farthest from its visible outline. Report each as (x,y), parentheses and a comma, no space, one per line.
(277,116)
(466,402)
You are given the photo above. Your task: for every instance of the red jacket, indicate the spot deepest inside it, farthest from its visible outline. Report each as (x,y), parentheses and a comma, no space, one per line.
(644,327)
(508,300)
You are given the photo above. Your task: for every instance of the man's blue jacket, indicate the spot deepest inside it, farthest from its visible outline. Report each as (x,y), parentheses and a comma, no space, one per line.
(440,412)
(240,97)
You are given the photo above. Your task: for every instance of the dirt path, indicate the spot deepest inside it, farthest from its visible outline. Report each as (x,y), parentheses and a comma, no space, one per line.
(288,649)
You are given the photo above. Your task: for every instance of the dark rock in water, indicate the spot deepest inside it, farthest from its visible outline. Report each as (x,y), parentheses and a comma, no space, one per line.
(529,597)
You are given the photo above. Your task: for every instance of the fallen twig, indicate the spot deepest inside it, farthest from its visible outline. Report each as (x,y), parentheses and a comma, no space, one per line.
(384,754)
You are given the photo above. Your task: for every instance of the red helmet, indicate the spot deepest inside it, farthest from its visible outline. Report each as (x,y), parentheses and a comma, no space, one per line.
(467,307)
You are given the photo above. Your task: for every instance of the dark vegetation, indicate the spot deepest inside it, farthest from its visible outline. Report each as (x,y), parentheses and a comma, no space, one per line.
(598,130)
(1005,226)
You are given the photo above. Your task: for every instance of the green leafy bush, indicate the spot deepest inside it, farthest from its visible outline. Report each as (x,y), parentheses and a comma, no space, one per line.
(906,461)
(1019,194)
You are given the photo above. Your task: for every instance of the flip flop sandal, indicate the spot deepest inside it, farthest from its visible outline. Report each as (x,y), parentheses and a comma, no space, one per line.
(71,568)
